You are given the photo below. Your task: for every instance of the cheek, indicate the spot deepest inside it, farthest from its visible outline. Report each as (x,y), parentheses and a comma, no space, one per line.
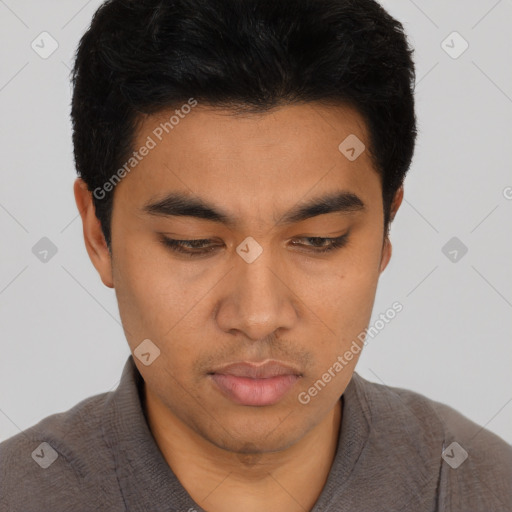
(342,297)
(164,304)
(152,298)
(345,291)
(344,303)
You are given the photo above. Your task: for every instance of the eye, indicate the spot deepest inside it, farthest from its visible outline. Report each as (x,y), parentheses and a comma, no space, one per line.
(189,247)
(201,247)
(324,245)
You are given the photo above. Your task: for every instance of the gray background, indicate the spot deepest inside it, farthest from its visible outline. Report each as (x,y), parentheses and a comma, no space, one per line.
(61,338)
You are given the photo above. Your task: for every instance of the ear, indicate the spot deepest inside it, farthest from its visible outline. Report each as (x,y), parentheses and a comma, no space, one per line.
(93,235)
(387,248)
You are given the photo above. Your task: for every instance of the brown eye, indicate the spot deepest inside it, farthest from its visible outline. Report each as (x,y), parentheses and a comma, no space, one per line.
(324,245)
(190,247)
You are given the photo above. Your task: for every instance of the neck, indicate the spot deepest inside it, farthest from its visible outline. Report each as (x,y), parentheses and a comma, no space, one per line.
(290,480)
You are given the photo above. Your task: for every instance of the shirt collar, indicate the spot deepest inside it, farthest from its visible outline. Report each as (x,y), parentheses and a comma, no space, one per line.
(145,479)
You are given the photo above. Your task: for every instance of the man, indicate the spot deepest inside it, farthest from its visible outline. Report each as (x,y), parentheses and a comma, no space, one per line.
(240,164)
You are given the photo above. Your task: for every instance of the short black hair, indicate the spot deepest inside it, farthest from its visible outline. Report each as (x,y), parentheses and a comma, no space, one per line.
(145,56)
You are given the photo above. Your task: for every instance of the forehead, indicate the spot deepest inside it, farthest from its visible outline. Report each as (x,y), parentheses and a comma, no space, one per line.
(313,126)
(253,161)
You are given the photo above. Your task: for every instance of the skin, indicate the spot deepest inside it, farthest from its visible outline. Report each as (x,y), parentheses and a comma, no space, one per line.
(291,304)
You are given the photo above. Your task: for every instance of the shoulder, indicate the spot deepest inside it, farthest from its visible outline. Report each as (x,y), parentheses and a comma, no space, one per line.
(448,422)
(62,457)
(475,465)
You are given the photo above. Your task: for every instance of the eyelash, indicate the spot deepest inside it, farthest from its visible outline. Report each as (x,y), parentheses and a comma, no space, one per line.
(187,246)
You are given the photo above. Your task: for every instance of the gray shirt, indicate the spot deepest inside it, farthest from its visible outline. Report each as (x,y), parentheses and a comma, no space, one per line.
(395,453)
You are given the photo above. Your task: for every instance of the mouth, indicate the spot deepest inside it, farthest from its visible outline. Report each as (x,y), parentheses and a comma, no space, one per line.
(255,384)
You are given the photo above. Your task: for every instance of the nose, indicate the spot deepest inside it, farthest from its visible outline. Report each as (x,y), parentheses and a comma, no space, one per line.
(257,299)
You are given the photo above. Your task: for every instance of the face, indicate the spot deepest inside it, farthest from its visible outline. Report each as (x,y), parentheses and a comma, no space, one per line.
(249,318)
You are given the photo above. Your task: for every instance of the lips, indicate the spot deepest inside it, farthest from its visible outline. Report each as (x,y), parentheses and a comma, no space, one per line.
(255,384)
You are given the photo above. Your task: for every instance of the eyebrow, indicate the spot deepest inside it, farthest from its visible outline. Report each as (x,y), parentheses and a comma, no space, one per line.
(177,204)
